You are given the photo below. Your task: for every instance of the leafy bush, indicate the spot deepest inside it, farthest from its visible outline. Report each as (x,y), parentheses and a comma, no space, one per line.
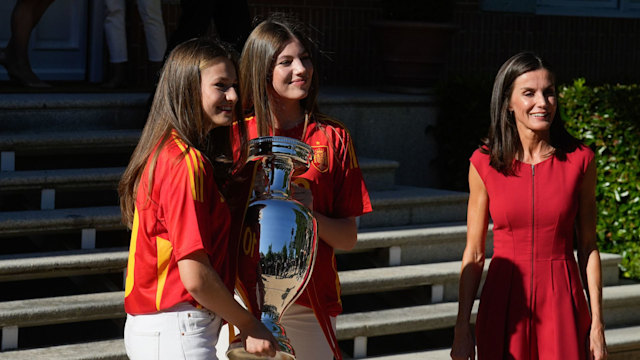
(606,119)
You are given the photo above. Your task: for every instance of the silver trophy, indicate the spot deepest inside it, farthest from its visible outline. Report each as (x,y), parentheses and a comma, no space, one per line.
(283,231)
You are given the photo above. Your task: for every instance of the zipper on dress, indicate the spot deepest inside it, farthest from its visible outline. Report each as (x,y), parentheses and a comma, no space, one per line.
(533,219)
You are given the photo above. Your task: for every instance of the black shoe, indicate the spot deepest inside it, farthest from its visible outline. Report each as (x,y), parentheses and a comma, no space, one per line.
(22,75)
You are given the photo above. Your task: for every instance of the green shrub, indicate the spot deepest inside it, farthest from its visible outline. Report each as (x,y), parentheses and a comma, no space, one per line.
(607,119)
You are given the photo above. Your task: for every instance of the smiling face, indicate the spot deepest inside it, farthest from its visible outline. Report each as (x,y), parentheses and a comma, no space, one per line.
(218,86)
(533,101)
(292,72)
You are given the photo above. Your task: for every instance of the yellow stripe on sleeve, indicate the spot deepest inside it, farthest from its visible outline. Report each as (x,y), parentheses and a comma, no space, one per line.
(164,249)
(192,162)
(198,171)
(195,165)
(201,175)
(131,264)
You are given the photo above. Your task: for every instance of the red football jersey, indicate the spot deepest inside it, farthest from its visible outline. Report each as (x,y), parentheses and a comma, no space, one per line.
(338,189)
(184,213)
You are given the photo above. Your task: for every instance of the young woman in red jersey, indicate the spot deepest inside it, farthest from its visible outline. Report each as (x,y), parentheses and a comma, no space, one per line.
(277,68)
(537,184)
(178,283)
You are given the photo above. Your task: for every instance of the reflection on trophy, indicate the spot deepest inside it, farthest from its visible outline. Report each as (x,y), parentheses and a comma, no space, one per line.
(279,237)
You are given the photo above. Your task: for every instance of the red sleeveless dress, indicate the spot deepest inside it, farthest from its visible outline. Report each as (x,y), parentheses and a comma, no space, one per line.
(532,304)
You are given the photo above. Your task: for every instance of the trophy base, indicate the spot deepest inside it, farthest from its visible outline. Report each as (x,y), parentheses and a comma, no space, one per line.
(237,352)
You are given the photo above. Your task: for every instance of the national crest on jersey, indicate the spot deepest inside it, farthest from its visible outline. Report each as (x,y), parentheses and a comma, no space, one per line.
(320,157)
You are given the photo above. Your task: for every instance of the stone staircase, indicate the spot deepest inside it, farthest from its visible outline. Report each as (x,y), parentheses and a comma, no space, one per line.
(64,249)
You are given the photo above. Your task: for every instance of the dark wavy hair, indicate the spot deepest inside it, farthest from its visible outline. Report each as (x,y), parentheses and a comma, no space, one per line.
(503,143)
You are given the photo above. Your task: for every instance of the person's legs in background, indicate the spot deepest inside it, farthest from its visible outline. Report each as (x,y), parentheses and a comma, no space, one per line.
(154,31)
(116,36)
(15,57)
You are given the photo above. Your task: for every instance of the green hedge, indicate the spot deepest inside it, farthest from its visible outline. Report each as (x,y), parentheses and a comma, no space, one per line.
(606,118)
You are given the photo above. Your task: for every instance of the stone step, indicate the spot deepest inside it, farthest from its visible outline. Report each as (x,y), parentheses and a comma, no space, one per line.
(389,126)
(62,309)
(406,205)
(438,354)
(97,350)
(428,241)
(406,245)
(358,326)
(438,243)
(443,277)
(392,208)
(428,237)
(94,178)
(622,343)
(103,144)
(361,110)
(379,175)
(63,263)
(71,112)
(617,300)
(14,223)
(70,141)
(361,326)
(621,307)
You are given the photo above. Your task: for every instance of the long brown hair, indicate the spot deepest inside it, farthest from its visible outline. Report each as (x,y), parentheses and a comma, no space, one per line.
(177,106)
(503,143)
(259,54)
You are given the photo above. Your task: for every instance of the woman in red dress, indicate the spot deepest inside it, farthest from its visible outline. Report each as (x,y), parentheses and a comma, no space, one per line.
(537,184)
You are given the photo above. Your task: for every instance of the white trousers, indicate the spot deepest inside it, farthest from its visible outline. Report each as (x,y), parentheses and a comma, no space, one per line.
(182,332)
(303,330)
(305,333)
(115,30)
